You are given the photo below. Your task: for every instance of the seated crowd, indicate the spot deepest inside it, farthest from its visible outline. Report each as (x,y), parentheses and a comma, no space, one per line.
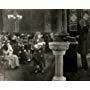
(21,48)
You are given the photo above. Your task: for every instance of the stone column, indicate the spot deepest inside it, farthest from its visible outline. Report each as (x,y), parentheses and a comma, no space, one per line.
(16,26)
(5,21)
(59,21)
(16,21)
(56,20)
(64,22)
(59,49)
(47,21)
(59,46)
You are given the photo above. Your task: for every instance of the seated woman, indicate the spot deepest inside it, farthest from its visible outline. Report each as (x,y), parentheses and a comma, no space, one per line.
(12,59)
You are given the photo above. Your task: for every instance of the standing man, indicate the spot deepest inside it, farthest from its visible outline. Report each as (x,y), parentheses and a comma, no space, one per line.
(83,40)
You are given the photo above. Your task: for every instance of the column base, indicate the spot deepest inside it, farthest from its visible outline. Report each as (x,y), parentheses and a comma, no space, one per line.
(56,78)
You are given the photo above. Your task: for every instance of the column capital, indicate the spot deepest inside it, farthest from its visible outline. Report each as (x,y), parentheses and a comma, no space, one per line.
(59,46)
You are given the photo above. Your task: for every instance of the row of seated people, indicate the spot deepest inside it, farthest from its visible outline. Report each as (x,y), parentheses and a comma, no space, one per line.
(19,49)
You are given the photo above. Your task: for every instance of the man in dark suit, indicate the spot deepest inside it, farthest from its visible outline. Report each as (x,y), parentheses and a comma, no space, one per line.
(83,40)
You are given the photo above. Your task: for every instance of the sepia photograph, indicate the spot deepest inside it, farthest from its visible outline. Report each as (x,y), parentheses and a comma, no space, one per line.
(44,44)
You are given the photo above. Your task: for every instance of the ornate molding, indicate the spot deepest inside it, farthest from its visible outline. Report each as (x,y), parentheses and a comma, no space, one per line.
(59,46)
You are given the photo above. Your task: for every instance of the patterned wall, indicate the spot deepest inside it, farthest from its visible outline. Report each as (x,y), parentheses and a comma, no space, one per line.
(74,17)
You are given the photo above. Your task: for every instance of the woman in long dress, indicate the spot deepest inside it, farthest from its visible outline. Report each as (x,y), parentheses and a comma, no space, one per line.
(38,55)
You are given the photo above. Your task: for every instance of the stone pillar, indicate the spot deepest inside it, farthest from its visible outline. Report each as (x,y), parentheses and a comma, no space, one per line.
(59,46)
(59,21)
(16,26)
(64,16)
(56,20)
(16,21)
(47,21)
(5,21)
(59,49)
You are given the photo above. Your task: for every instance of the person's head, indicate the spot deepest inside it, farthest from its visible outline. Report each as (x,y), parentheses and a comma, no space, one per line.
(38,35)
(14,37)
(4,49)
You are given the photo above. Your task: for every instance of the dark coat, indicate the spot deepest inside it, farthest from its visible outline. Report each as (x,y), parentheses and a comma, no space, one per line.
(83,40)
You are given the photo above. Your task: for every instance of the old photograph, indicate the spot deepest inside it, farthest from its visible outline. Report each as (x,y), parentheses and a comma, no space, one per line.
(44,44)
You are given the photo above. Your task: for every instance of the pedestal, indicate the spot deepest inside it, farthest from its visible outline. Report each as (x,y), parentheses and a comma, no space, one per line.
(59,49)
